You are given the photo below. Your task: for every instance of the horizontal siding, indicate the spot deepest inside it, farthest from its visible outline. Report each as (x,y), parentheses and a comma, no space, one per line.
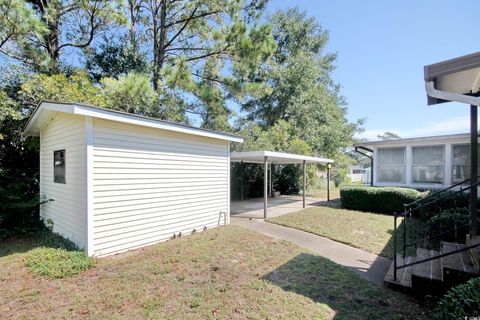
(149,184)
(68,210)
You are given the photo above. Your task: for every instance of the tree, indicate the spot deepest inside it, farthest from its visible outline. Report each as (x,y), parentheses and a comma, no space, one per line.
(38,31)
(387,135)
(113,59)
(303,92)
(131,93)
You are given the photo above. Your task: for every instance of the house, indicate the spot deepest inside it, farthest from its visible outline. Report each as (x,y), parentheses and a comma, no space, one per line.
(119,181)
(422,162)
(357,173)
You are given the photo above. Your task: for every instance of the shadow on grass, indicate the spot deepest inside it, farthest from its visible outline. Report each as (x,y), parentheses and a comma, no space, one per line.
(26,242)
(415,230)
(351,297)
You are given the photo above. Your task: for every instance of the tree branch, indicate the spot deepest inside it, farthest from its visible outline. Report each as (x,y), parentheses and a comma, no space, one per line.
(182,28)
(202,15)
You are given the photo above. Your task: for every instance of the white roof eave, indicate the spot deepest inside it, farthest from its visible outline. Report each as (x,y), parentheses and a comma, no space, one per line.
(275,157)
(106,114)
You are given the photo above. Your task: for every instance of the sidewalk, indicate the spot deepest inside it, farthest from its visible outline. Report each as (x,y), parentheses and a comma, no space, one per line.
(365,264)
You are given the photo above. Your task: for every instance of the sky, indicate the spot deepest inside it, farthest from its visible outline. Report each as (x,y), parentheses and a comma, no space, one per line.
(382,47)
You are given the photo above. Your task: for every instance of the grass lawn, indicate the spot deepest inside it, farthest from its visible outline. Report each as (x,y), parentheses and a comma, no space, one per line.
(228,272)
(369,231)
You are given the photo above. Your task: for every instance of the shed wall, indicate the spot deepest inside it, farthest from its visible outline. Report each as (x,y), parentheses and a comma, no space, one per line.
(149,184)
(68,210)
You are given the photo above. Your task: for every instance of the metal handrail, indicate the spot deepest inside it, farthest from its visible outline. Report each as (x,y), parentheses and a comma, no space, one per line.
(437,235)
(439,256)
(435,193)
(409,211)
(406,212)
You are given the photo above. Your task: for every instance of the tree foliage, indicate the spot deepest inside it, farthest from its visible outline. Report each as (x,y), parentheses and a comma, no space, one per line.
(190,61)
(303,92)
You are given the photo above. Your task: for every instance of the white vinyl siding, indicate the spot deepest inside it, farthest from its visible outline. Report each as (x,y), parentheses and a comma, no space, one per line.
(67,211)
(150,183)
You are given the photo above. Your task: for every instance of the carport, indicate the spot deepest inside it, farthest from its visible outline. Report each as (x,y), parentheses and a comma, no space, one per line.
(267,158)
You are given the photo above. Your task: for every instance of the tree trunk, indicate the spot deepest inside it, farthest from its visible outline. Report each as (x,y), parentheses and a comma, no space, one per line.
(159,38)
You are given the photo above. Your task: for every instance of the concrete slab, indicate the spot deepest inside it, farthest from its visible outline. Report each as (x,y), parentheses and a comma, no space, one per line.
(253,208)
(367,265)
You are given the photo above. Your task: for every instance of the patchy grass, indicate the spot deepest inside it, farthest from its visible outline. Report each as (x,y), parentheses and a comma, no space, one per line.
(369,231)
(57,263)
(228,272)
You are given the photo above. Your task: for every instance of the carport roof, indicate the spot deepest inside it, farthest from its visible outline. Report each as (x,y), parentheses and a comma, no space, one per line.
(275,157)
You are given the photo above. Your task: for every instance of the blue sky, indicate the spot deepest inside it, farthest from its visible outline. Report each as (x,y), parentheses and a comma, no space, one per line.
(382,47)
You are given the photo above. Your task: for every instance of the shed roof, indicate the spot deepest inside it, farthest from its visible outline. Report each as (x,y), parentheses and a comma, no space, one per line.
(275,157)
(46,109)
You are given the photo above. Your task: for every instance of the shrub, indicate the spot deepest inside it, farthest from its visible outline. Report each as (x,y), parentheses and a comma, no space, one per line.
(460,302)
(57,263)
(378,199)
(442,202)
(449,219)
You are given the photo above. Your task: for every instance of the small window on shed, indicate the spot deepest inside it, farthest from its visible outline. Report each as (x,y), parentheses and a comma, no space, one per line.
(59,166)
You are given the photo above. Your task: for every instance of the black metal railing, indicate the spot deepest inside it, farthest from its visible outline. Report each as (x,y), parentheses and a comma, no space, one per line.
(413,208)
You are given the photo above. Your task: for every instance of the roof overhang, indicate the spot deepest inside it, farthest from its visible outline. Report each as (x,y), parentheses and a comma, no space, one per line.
(430,140)
(454,80)
(47,109)
(275,157)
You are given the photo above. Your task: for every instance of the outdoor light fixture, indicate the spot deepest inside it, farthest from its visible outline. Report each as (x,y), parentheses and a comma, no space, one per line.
(458,80)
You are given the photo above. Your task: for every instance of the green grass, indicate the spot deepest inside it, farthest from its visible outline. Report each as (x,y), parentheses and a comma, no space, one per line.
(369,231)
(57,263)
(228,272)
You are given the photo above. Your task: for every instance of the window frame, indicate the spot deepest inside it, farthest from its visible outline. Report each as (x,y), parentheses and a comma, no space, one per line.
(55,177)
(379,165)
(466,144)
(412,165)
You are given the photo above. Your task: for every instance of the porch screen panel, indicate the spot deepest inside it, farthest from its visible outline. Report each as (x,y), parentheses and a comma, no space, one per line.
(461,162)
(428,164)
(391,165)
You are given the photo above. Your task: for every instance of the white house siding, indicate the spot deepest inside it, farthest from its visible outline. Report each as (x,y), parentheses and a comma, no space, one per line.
(149,184)
(68,210)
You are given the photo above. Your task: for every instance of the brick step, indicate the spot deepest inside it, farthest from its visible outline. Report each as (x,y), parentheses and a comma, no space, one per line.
(459,267)
(429,273)
(404,275)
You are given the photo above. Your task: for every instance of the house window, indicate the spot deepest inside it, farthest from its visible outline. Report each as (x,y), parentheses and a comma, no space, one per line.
(428,164)
(59,166)
(391,165)
(461,162)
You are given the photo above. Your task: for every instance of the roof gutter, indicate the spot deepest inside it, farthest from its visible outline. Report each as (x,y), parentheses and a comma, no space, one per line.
(440,95)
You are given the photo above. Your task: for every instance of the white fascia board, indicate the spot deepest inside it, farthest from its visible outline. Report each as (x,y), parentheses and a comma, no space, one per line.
(95,112)
(145,122)
(275,157)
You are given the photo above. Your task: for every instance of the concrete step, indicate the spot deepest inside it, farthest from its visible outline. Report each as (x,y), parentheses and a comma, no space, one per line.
(404,275)
(475,252)
(427,276)
(459,267)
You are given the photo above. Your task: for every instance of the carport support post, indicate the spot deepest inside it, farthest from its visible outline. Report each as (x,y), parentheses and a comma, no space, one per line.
(304,181)
(270,180)
(265,187)
(241,180)
(473,170)
(328,181)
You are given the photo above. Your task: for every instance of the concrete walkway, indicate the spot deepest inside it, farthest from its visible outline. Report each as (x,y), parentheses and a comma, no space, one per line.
(368,265)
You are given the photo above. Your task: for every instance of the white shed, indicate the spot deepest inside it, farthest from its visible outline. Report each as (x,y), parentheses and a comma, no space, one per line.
(120,181)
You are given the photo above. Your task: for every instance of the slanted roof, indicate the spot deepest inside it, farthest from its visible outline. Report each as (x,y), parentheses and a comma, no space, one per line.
(275,157)
(46,109)
(453,138)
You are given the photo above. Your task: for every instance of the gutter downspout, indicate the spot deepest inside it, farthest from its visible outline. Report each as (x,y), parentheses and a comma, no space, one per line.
(368,156)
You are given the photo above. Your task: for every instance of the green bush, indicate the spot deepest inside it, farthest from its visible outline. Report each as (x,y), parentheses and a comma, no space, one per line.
(378,199)
(447,220)
(57,263)
(460,302)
